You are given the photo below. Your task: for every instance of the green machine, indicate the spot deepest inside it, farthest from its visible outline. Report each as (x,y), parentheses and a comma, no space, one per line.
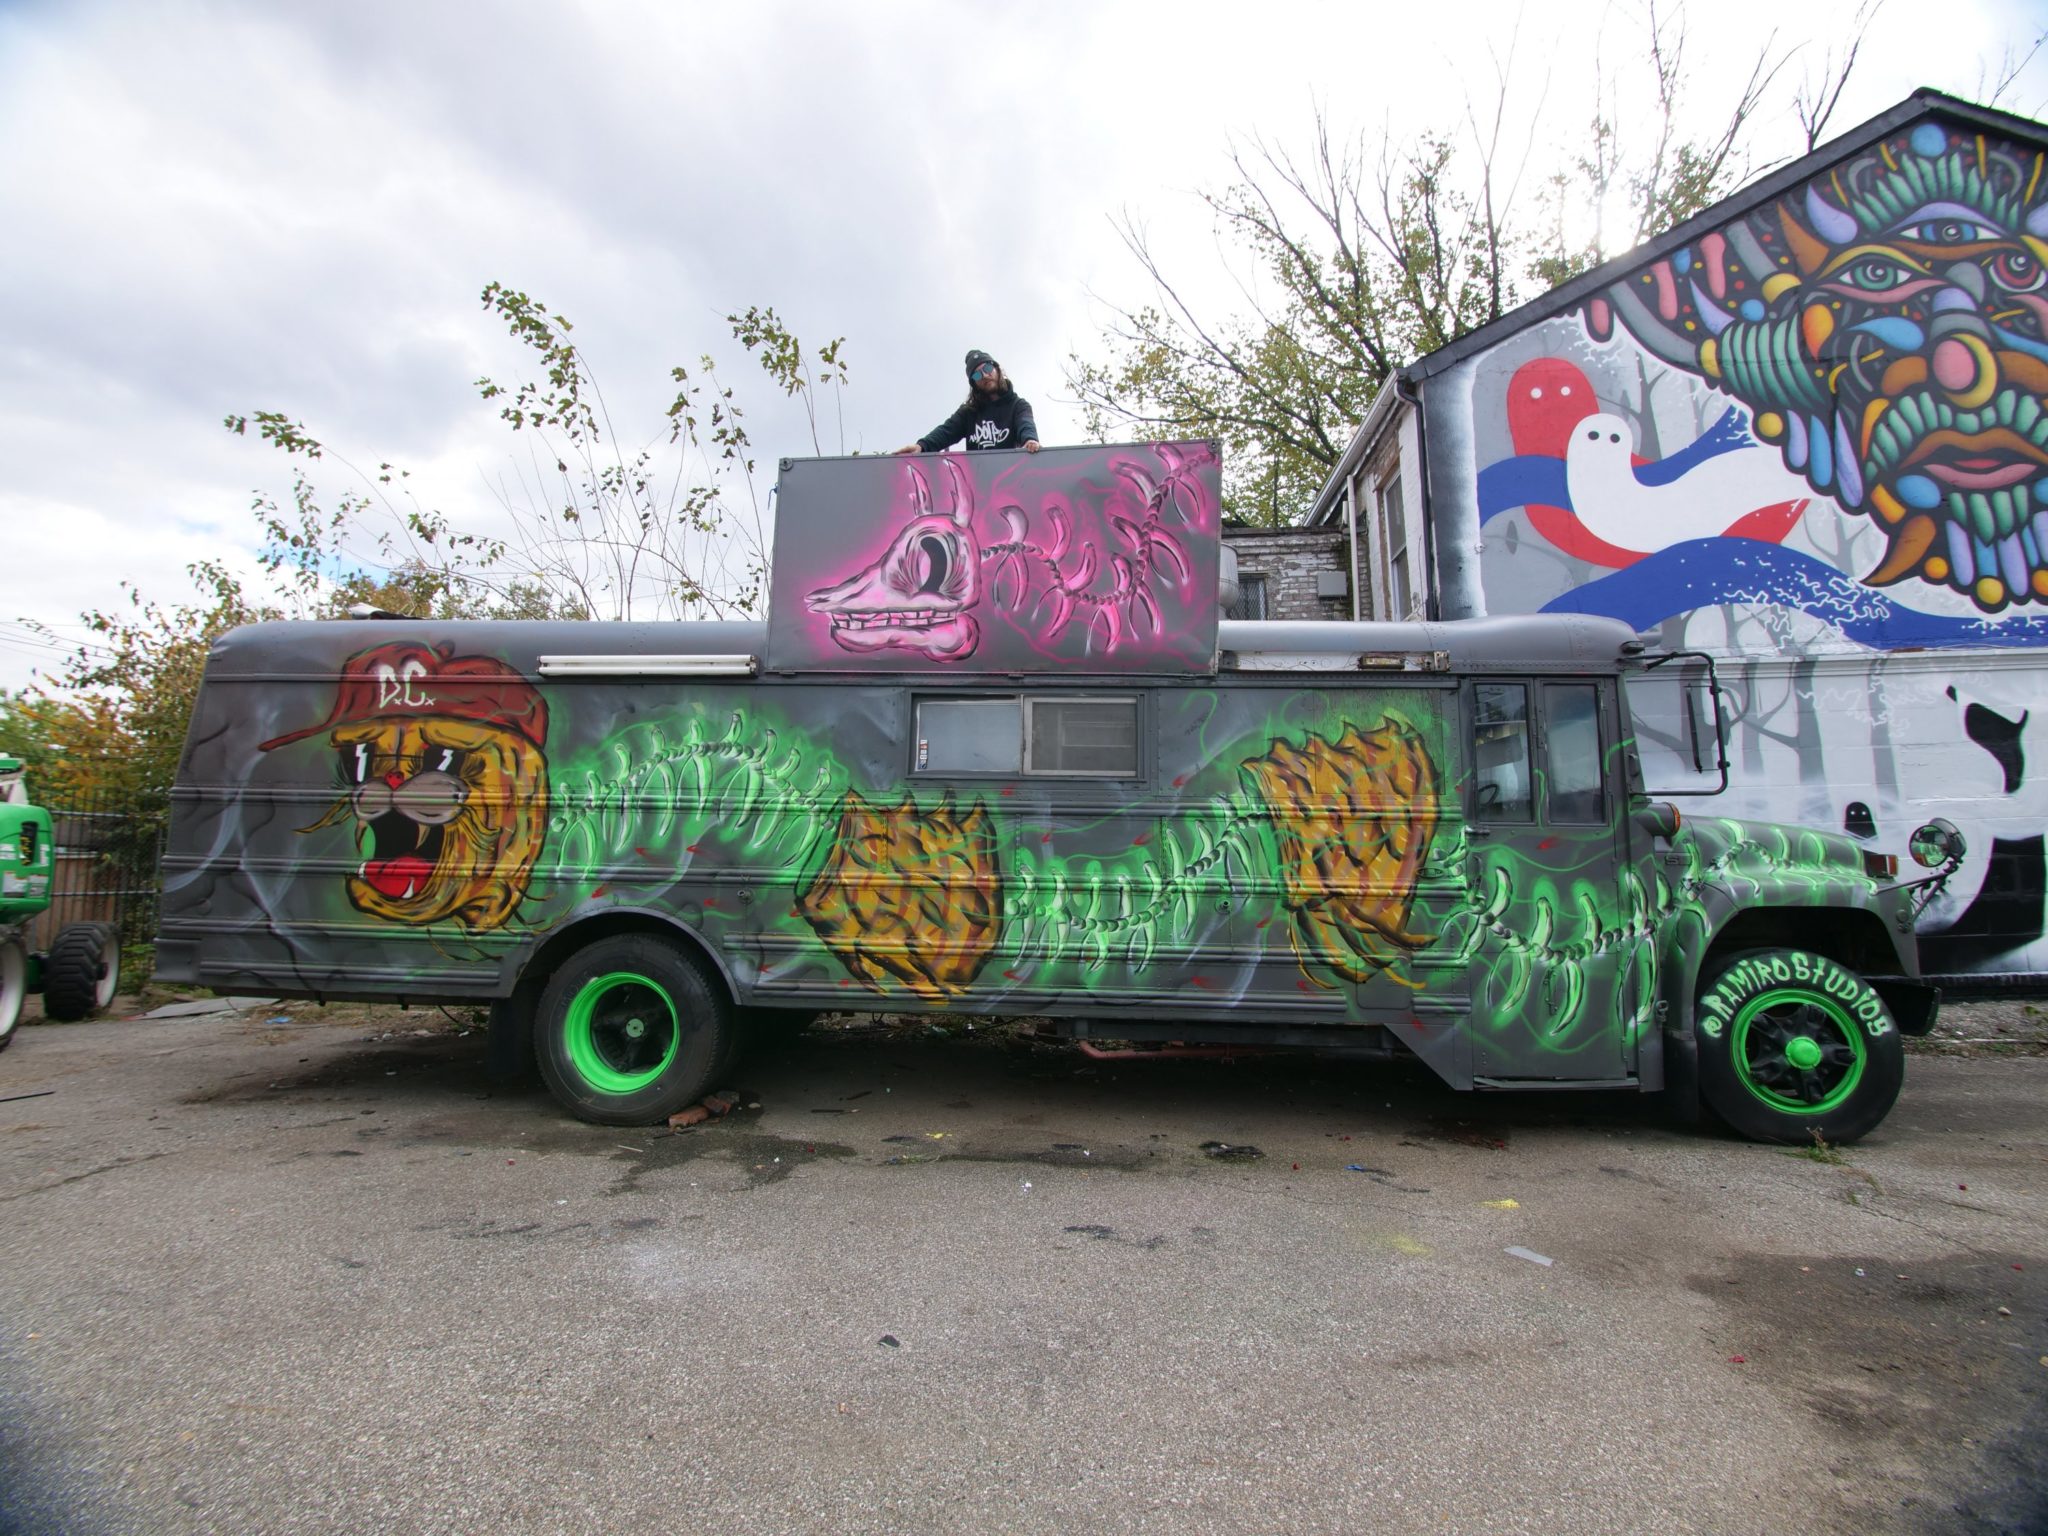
(82,970)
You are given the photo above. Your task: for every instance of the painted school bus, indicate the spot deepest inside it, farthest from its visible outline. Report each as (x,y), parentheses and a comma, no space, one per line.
(994,752)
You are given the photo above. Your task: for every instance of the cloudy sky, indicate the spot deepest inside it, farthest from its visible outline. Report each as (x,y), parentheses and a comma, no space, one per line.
(226,208)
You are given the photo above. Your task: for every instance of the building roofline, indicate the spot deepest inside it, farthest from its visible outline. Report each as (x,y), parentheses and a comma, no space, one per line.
(1921,103)
(1259,531)
(1370,431)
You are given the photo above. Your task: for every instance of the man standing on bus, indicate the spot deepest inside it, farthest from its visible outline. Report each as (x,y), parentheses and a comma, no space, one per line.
(994,415)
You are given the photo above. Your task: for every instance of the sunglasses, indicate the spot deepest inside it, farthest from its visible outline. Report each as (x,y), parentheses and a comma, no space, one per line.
(985,371)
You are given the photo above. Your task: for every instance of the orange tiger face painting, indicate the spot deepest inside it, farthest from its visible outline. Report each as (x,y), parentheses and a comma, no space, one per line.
(444,781)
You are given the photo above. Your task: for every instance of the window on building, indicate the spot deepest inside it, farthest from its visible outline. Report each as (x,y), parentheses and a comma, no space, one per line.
(1394,519)
(1251,598)
(1075,734)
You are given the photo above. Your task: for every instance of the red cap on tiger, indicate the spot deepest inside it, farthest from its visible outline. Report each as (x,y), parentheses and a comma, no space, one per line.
(405,680)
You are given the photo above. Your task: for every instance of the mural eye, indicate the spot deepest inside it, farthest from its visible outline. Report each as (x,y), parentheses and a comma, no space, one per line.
(1614,437)
(938,564)
(355,763)
(1536,393)
(1564,389)
(2017,271)
(1946,231)
(1593,435)
(1874,272)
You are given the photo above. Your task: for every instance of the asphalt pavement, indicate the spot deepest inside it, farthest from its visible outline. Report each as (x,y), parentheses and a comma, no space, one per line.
(279,1271)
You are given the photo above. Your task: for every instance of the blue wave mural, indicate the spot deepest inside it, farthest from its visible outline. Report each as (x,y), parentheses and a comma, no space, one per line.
(1705,573)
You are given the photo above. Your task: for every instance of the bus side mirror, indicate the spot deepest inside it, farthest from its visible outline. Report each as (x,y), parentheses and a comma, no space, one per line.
(1938,842)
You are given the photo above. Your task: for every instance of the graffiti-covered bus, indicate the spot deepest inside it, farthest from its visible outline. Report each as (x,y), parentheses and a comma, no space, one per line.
(994,752)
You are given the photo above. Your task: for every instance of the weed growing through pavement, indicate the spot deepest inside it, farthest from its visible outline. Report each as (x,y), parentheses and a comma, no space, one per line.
(1821,1151)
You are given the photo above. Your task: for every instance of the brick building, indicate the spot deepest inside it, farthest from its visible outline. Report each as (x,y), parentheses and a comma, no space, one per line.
(1292,573)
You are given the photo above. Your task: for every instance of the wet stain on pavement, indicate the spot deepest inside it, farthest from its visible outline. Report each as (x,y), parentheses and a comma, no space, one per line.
(1102,1234)
(763,1158)
(442,1060)
(1489,1135)
(1060,1155)
(1915,1365)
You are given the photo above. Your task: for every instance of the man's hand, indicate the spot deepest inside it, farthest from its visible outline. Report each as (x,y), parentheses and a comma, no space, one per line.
(910,448)
(1031,445)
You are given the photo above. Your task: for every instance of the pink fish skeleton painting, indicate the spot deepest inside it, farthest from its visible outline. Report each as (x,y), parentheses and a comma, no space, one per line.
(1095,556)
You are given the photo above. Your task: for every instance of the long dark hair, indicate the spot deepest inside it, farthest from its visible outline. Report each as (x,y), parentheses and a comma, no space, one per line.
(1005,389)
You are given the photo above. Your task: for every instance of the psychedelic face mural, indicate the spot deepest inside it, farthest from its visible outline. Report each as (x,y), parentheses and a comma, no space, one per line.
(1007,561)
(1887,326)
(443,774)
(1859,532)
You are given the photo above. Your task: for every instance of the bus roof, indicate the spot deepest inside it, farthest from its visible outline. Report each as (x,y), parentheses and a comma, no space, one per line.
(1549,642)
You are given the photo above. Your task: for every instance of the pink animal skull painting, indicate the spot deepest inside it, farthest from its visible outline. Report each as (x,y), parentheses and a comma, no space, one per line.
(1094,556)
(919,594)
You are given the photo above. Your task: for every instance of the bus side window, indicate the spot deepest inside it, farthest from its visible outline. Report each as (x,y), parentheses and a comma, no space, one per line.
(1571,752)
(970,735)
(1500,751)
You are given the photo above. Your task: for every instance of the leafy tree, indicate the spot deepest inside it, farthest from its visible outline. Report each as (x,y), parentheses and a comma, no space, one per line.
(588,526)
(114,714)
(26,726)
(597,531)
(1673,178)
(1369,256)
(1369,270)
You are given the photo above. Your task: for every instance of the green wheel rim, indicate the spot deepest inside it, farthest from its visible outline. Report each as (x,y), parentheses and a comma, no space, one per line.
(622,1032)
(1798,1050)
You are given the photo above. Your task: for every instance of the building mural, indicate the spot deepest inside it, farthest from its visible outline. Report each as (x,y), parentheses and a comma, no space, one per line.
(1812,439)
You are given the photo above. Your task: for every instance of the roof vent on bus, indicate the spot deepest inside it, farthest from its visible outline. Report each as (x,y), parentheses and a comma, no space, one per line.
(737,664)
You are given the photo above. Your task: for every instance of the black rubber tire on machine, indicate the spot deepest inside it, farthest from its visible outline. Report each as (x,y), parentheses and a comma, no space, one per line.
(631,1029)
(1796,1048)
(13,986)
(82,973)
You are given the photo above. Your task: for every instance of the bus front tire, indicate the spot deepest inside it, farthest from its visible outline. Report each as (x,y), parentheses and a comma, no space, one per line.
(630,1030)
(1796,1049)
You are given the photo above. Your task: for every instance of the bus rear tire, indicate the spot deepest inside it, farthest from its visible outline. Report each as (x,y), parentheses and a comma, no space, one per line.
(1796,1049)
(630,1030)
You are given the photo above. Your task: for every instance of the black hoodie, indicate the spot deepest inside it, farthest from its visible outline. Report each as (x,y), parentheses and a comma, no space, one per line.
(1001,420)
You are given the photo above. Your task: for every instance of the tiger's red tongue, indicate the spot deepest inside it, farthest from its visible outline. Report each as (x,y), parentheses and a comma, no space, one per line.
(398,878)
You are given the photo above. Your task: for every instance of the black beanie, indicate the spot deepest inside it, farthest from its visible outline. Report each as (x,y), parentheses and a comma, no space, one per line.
(976,358)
